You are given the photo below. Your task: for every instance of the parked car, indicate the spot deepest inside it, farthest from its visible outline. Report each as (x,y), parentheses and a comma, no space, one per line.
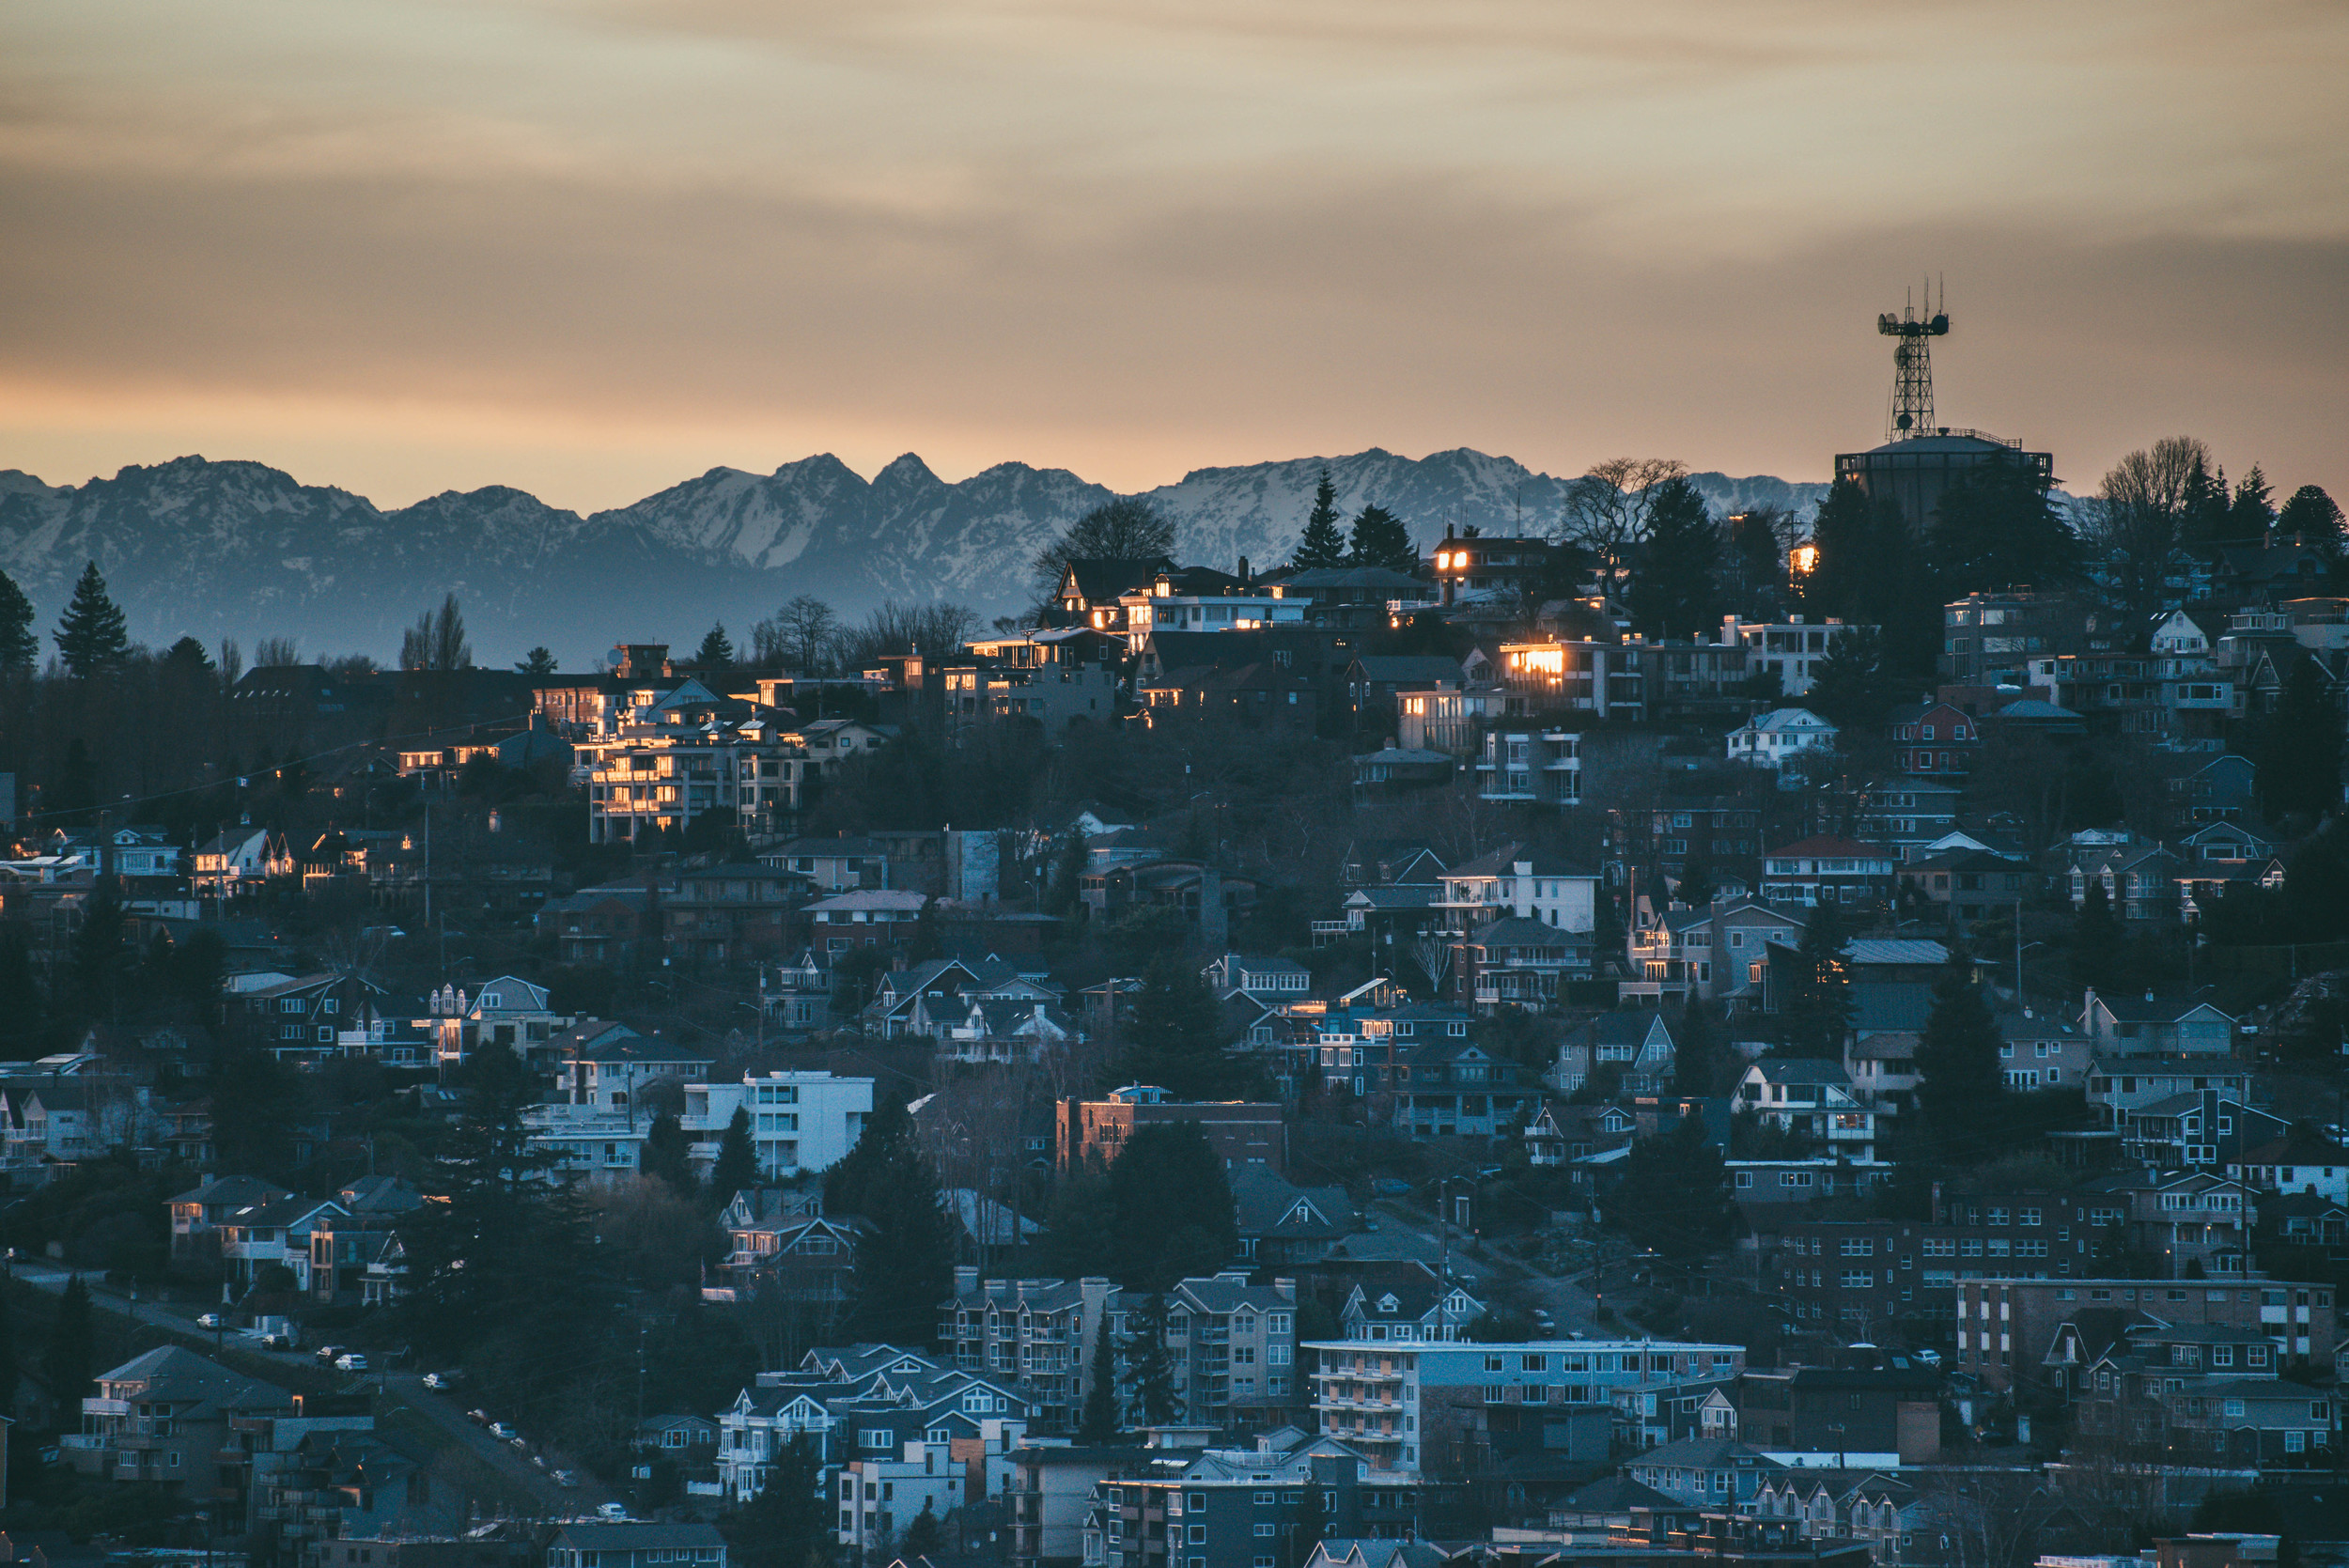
(1929,1356)
(566,1478)
(327,1354)
(499,1429)
(439,1380)
(481,1416)
(613,1511)
(352,1361)
(276,1342)
(211,1320)
(520,1441)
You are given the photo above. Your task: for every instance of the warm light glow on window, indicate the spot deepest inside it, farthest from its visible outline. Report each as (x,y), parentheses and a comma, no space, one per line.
(1543,662)
(1804,558)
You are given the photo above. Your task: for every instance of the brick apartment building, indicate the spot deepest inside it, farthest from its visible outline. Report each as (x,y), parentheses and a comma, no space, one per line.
(1245,1133)
(2005,1326)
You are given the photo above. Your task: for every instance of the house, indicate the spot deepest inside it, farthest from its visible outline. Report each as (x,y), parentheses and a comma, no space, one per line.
(873,918)
(1404,1301)
(162,1417)
(602,1545)
(1264,979)
(1523,883)
(1560,1135)
(606,925)
(1281,1226)
(784,1254)
(800,1121)
(1774,739)
(1458,1089)
(1967,886)
(841,864)
(1811,1097)
(1828,869)
(505,1011)
(196,1214)
(1517,962)
(1891,1409)
(2139,879)
(1635,1043)
(737,912)
(237,861)
(1934,738)
(1908,813)
(1722,1473)
(1254,697)
(2118,1026)
(1718,952)
(2301,1162)
(275,1234)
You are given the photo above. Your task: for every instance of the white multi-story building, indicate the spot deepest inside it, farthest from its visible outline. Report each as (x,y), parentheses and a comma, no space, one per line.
(1531,767)
(1773,738)
(799,1121)
(1519,883)
(1792,649)
(668,757)
(1382,1398)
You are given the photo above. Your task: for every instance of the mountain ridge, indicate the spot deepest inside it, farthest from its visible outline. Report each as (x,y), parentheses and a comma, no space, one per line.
(234,548)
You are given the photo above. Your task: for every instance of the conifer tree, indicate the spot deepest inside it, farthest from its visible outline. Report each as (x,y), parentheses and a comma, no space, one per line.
(2315,518)
(1100,1424)
(789,1524)
(1676,593)
(668,1156)
(11,1370)
(1171,1211)
(66,1364)
(1309,1521)
(1177,1035)
(1957,1057)
(1815,1012)
(2300,760)
(2203,516)
(92,634)
(19,647)
(1380,539)
(2095,939)
(2253,508)
(1323,543)
(1154,1370)
(1674,1192)
(538,664)
(903,1269)
(717,649)
(738,1160)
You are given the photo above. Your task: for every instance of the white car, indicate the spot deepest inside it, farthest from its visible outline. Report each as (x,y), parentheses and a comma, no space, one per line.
(500,1430)
(566,1478)
(434,1380)
(211,1320)
(351,1361)
(613,1511)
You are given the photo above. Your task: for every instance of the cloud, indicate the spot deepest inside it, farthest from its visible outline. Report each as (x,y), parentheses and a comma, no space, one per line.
(586,239)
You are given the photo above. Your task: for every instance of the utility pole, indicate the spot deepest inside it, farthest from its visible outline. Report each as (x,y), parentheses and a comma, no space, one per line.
(640,1373)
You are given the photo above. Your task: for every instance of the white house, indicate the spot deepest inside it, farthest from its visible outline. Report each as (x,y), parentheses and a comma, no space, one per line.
(1811,1096)
(799,1121)
(1521,882)
(1769,739)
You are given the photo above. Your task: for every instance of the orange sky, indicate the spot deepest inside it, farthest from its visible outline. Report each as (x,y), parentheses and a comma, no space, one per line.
(589,247)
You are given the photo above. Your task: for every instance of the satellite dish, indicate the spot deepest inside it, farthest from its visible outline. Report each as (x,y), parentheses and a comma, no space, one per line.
(1902,421)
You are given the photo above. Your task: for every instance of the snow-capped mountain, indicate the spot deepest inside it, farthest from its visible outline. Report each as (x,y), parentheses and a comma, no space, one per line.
(241,549)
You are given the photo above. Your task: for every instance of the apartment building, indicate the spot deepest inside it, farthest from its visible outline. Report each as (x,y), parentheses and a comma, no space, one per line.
(1401,1404)
(1226,1509)
(2007,1326)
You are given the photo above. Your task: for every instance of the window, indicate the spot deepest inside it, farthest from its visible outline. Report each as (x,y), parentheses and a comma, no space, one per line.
(2295,1442)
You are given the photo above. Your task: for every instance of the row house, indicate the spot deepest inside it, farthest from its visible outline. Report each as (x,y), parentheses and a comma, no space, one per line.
(912,999)
(2139,879)
(239,860)
(2206,1396)
(1240,1509)
(869,1400)
(1360,1044)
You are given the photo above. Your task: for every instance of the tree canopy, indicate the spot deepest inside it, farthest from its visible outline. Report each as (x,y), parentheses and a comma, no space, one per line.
(92,634)
(1129,528)
(1380,539)
(1323,543)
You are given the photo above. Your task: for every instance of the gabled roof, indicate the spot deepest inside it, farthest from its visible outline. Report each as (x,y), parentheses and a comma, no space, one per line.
(1828,847)
(1504,863)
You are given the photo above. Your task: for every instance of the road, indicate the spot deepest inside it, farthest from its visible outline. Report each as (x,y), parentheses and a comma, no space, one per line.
(1405,1232)
(445,1412)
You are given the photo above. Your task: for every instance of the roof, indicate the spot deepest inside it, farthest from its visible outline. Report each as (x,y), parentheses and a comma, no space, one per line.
(1407,667)
(625,1045)
(596,1535)
(1504,861)
(236,1191)
(1826,846)
(1876,949)
(869,898)
(1802,1069)
(1788,719)
(1518,931)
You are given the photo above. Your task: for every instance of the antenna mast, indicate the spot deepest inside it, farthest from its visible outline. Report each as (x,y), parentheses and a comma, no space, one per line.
(1912,363)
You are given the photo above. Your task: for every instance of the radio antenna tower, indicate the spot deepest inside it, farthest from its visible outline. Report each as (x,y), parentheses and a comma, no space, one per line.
(1912,363)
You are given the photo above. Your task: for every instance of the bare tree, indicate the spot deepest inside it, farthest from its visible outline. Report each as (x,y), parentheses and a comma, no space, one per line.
(893,629)
(276,653)
(1432,954)
(231,661)
(1607,510)
(2137,517)
(1985,1518)
(437,640)
(797,636)
(1127,529)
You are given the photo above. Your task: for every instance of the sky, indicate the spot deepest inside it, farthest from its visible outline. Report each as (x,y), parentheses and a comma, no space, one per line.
(592,247)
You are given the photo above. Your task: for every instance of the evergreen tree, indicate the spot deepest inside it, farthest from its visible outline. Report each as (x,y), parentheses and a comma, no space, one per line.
(924,1537)
(1309,1521)
(1154,1369)
(1814,1013)
(738,1160)
(1996,527)
(2299,757)
(19,648)
(717,649)
(2253,509)
(188,657)
(667,1156)
(789,1524)
(1852,685)
(91,635)
(1323,543)
(2204,519)
(23,1007)
(538,664)
(1676,590)
(1171,1211)
(1757,562)
(1846,534)
(2310,515)
(1380,539)
(1957,1056)
(904,1268)
(1673,1194)
(66,1362)
(1177,1035)
(2095,939)
(102,956)
(1064,885)
(1702,1062)
(1100,1424)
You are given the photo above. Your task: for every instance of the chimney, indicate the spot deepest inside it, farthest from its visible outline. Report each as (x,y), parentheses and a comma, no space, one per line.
(1243,572)
(966,1279)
